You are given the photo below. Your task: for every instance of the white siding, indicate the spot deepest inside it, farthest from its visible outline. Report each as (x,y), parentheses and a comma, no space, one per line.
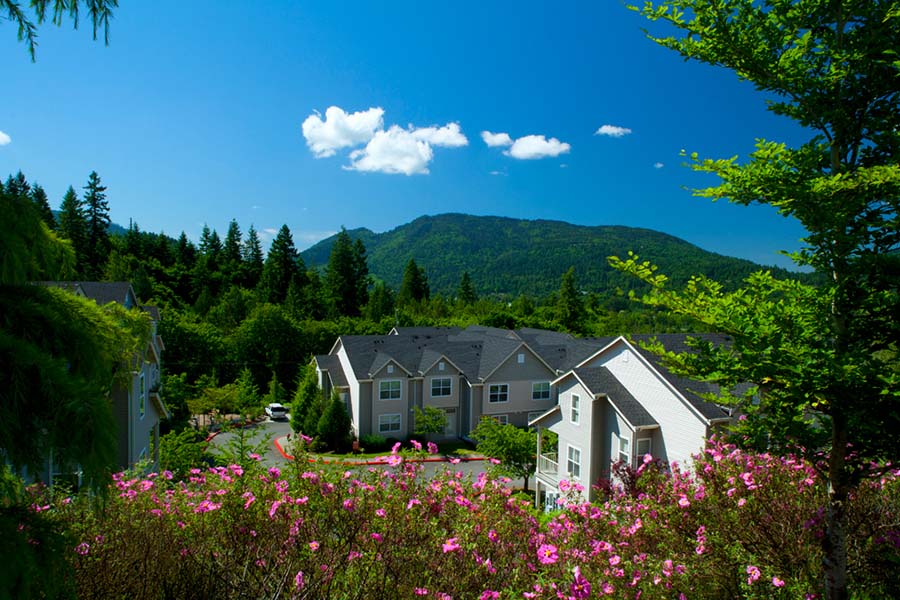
(354,390)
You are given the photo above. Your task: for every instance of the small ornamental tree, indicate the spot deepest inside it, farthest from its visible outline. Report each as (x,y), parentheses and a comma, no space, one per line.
(513,447)
(430,421)
(307,400)
(334,425)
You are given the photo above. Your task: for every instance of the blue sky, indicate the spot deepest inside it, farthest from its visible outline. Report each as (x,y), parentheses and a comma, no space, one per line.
(195,114)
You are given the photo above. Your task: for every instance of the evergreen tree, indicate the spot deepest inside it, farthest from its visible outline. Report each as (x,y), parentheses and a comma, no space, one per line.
(306,398)
(73,226)
(569,307)
(276,393)
(133,240)
(467,290)
(231,251)
(252,256)
(283,265)
(39,197)
(381,302)
(347,276)
(414,287)
(185,251)
(248,400)
(334,426)
(17,185)
(96,210)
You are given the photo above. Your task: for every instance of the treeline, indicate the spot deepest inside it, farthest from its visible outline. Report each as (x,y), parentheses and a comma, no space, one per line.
(230,308)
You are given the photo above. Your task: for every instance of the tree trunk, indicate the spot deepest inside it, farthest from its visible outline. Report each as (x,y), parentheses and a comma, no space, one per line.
(835,541)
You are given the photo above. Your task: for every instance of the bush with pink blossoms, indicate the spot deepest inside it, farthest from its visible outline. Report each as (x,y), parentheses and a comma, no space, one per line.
(740,525)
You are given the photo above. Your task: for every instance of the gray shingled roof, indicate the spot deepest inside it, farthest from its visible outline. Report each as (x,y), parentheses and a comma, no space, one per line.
(331,364)
(599,380)
(689,388)
(104,292)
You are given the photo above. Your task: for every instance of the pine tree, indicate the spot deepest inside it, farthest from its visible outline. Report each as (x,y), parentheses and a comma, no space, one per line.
(252,256)
(231,251)
(334,425)
(39,197)
(73,226)
(347,275)
(569,307)
(414,287)
(283,265)
(467,290)
(307,396)
(381,302)
(185,251)
(97,216)
(17,185)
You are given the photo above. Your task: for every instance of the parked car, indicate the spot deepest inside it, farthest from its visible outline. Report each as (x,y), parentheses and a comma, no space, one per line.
(276,411)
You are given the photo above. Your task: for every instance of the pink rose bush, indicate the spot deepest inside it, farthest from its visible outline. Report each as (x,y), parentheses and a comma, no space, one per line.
(737,525)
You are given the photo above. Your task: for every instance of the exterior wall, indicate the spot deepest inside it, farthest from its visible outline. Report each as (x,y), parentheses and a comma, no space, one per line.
(478,391)
(356,421)
(578,435)
(519,377)
(451,401)
(400,406)
(682,430)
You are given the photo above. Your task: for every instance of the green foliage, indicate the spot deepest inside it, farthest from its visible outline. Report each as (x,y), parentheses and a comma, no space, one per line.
(99,10)
(347,275)
(307,401)
(275,393)
(466,293)
(283,265)
(429,421)
(248,402)
(414,287)
(512,446)
(374,442)
(96,212)
(29,251)
(180,451)
(269,341)
(569,306)
(333,429)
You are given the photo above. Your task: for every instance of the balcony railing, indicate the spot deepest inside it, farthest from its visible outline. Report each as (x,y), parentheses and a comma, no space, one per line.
(548,467)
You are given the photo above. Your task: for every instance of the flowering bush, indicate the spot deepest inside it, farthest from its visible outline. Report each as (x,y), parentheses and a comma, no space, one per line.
(739,525)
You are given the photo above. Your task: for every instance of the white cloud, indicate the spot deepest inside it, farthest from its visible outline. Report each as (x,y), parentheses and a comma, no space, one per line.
(340,129)
(496,139)
(308,238)
(658,165)
(497,173)
(268,232)
(4,138)
(393,151)
(448,136)
(612,131)
(536,146)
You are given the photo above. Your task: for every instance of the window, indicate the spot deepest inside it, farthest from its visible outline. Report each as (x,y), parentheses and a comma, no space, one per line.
(388,423)
(576,409)
(440,386)
(441,366)
(498,392)
(534,414)
(142,404)
(573,462)
(521,358)
(643,448)
(390,369)
(540,390)
(389,390)
(624,449)
(502,419)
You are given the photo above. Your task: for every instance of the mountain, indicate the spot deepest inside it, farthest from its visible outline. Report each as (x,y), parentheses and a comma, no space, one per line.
(514,256)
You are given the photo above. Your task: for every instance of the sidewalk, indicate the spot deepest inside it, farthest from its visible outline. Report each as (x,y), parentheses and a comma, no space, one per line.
(283,442)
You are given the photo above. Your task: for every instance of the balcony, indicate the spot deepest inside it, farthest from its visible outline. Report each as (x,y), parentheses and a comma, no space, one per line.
(548,468)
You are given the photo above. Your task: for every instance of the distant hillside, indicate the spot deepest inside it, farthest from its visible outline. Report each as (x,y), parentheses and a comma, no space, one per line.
(513,256)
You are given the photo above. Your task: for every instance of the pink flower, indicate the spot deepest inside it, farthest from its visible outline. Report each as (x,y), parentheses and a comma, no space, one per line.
(376,536)
(314,546)
(83,548)
(489,595)
(298,580)
(450,545)
(432,448)
(547,554)
(380,512)
(274,508)
(255,456)
(250,499)
(581,587)
(683,502)
(421,591)
(396,448)
(614,560)
(416,445)
(777,582)
(753,574)
(274,472)
(742,502)
(394,460)
(493,536)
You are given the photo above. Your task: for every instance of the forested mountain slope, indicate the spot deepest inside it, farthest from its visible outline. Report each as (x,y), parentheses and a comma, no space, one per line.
(514,256)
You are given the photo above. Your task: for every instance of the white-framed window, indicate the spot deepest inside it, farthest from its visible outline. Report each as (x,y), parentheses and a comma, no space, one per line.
(502,419)
(534,414)
(441,386)
(624,449)
(389,423)
(389,389)
(142,402)
(521,358)
(441,366)
(390,369)
(540,390)
(573,461)
(498,392)
(575,412)
(643,448)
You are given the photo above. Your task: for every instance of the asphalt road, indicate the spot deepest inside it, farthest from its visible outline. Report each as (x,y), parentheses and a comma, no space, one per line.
(264,433)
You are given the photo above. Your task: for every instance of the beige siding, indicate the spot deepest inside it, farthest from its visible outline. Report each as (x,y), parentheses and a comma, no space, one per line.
(519,377)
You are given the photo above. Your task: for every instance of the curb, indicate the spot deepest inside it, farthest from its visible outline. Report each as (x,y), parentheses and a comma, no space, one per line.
(370,462)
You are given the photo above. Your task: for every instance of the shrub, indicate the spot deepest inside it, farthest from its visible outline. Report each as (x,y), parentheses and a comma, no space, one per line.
(373,442)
